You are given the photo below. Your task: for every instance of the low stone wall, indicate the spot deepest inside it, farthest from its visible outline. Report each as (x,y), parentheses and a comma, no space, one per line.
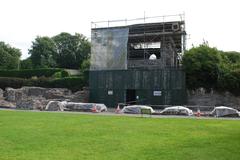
(14,95)
(81,96)
(38,98)
(201,97)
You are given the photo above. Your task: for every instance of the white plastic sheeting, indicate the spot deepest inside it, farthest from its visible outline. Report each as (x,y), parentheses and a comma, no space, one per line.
(55,106)
(177,110)
(223,111)
(136,109)
(85,106)
(72,106)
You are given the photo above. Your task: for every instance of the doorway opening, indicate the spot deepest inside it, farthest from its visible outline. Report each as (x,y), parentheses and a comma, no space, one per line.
(131,96)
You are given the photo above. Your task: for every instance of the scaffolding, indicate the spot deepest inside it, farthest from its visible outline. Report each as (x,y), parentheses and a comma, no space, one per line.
(142,20)
(131,60)
(160,37)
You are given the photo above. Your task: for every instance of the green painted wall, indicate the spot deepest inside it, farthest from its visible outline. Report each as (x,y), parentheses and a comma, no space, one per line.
(171,83)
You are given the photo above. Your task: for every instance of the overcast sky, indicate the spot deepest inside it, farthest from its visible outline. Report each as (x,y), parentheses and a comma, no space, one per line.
(216,21)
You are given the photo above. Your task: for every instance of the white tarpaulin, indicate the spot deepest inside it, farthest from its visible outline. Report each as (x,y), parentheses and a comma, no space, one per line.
(55,106)
(136,109)
(177,110)
(223,111)
(85,106)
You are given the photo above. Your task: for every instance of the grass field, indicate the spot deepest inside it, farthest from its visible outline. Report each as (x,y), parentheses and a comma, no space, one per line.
(64,136)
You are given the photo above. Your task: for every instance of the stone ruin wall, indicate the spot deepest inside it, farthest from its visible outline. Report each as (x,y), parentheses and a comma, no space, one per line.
(38,98)
(201,97)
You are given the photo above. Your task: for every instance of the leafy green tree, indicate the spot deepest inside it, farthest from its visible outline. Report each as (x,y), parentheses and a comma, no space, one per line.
(10,56)
(63,50)
(210,68)
(43,53)
(202,66)
(229,80)
(26,63)
(231,60)
(72,50)
(233,57)
(85,66)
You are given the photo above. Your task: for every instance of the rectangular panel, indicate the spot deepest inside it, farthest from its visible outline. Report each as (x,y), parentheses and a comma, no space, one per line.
(109,48)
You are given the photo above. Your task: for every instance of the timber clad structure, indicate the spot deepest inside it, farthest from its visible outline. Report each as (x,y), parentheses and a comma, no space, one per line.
(138,64)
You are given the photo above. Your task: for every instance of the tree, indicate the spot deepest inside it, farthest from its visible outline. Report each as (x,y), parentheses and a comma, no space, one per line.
(202,66)
(72,50)
(26,64)
(233,57)
(63,50)
(231,60)
(43,53)
(229,75)
(10,56)
(210,68)
(85,66)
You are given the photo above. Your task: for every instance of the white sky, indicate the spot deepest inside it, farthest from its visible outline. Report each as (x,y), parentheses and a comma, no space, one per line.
(217,21)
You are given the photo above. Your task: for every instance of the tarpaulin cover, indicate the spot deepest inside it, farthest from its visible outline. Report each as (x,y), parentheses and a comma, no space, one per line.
(109,48)
(85,106)
(177,110)
(55,106)
(223,111)
(136,109)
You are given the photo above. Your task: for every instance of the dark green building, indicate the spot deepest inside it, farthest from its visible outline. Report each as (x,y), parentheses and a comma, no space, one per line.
(138,64)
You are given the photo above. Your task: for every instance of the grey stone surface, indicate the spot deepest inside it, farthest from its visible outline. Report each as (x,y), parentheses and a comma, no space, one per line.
(33,91)
(1,94)
(15,95)
(31,104)
(201,97)
(10,94)
(57,93)
(80,96)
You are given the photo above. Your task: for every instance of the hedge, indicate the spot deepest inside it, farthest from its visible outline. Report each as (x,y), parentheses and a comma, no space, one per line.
(72,83)
(28,73)
(12,82)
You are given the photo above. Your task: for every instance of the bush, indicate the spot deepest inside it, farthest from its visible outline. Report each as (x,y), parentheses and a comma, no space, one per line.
(72,83)
(28,73)
(61,74)
(12,82)
(202,66)
(212,69)
(64,74)
(57,75)
(26,64)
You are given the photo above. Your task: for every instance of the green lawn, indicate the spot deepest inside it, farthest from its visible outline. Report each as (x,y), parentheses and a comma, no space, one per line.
(64,136)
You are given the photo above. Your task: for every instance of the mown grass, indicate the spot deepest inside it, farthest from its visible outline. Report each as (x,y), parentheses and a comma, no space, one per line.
(64,136)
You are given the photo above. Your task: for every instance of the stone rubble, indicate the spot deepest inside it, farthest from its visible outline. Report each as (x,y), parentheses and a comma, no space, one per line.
(31,104)
(1,94)
(38,98)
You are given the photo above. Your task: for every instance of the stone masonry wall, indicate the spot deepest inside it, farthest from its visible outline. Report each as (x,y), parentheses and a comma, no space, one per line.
(201,97)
